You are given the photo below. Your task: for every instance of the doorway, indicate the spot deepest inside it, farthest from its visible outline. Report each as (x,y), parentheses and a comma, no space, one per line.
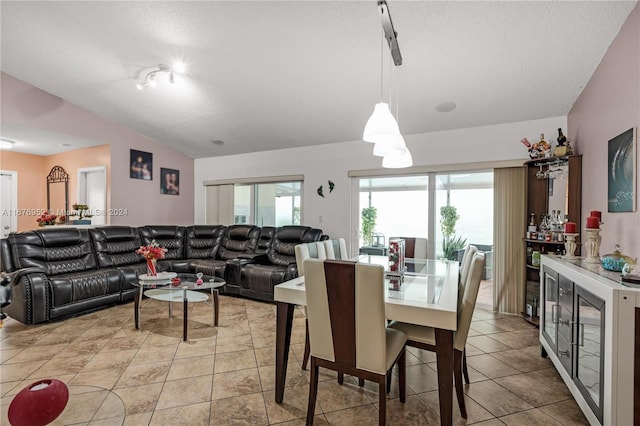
(8,202)
(92,191)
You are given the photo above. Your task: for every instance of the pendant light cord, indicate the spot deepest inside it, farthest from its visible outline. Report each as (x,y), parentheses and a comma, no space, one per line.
(381,56)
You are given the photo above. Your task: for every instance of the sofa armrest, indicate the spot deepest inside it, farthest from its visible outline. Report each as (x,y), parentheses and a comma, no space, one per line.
(28,299)
(233,271)
(260,258)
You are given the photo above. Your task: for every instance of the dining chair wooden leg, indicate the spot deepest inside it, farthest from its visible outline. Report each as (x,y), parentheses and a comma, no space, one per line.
(402,375)
(457,377)
(307,347)
(382,399)
(464,366)
(313,392)
(340,378)
(389,375)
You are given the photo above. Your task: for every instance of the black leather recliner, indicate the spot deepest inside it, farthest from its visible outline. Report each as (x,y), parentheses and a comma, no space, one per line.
(258,278)
(171,238)
(61,272)
(60,277)
(115,247)
(237,240)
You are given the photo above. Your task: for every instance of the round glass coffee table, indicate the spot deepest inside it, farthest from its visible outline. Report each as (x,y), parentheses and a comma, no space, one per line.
(185,291)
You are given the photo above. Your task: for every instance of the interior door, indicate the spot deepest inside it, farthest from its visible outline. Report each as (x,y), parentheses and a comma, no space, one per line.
(92,191)
(8,203)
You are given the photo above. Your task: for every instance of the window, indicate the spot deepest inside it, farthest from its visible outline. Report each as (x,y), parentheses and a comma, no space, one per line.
(402,205)
(403,210)
(471,193)
(267,204)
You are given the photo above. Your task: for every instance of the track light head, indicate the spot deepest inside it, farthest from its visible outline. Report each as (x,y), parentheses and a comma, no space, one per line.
(150,77)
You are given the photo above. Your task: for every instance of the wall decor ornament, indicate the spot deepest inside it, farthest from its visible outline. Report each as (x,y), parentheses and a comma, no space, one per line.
(622,172)
(331,186)
(320,191)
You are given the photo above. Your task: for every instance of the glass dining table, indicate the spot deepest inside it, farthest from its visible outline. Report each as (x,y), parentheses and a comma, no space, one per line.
(426,294)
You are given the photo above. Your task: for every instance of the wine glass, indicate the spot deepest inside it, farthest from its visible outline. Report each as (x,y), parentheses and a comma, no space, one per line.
(540,173)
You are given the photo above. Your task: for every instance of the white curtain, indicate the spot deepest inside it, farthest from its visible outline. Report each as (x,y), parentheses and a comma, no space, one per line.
(219,205)
(509,222)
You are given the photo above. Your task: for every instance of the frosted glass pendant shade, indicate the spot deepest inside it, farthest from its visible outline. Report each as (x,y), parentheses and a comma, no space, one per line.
(393,145)
(381,125)
(398,161)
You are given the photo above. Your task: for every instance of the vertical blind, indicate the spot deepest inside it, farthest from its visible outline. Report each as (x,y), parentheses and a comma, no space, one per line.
(509,221)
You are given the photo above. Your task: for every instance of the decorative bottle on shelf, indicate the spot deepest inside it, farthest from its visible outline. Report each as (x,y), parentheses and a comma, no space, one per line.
(532,228)
(562,139)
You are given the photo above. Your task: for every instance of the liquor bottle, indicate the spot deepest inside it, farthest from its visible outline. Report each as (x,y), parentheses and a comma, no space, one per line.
(562,139)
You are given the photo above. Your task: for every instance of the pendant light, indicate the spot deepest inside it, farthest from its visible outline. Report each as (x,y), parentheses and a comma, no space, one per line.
(382,128)
(398,161)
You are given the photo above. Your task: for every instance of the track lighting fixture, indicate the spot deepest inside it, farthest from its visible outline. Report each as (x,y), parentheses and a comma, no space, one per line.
(150,77)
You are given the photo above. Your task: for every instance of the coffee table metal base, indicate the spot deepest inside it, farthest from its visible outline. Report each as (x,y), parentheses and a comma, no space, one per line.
(171,295)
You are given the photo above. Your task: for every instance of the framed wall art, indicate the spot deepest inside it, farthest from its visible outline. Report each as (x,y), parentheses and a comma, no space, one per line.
(141,165)
(622,172)
(169,181)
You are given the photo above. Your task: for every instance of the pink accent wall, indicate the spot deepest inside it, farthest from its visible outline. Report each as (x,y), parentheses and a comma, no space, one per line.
(27,105)
(32,191)
(608,106)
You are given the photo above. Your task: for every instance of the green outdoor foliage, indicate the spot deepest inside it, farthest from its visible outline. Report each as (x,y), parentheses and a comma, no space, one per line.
(369,216)
(450,242)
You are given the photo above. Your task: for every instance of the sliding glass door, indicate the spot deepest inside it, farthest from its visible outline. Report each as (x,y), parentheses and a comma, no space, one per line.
(412,206)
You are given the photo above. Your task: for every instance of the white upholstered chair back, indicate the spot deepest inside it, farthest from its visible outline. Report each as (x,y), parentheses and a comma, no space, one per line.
(346,313)
(308,251)
(470,295)
(336,249)
(467,257)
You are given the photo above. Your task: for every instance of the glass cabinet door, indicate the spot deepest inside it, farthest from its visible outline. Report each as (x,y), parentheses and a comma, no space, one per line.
(550,319)
(589,348)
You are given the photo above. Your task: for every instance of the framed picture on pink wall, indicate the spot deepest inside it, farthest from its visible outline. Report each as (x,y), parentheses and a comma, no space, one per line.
(141,165)
(169,181)
(622,172)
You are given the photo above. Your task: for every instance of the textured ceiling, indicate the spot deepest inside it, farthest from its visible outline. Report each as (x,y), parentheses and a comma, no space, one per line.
(267,75)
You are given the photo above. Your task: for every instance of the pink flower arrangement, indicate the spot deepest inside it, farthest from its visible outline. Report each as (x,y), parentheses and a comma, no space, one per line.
(49,219)
(152,251)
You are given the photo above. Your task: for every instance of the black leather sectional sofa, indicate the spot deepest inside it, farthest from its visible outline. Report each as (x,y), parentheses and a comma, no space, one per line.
(59,272)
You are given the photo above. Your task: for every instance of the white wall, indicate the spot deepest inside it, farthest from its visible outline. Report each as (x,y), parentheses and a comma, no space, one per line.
(333,161)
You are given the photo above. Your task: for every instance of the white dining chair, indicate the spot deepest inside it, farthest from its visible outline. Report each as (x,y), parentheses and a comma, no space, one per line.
(423,337)
(347,327)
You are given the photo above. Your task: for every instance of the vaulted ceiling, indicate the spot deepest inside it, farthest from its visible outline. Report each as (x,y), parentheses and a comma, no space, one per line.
(267,75)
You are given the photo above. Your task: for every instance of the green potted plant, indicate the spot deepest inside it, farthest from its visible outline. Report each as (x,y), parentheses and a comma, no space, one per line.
(450,242)
(369,216)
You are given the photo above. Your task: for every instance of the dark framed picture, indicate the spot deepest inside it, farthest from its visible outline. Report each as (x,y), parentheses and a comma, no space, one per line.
(622,172)
(141,165)
(169,181)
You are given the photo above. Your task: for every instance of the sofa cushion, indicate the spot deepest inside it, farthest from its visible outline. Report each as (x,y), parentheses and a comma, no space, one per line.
(116,246)
(169,237)
(262,278)
(209,267)
(203,241)
(238,239)
(55,251)
(286,238)
(76,287)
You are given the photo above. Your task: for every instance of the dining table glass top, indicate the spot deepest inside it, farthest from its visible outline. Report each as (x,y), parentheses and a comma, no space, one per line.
(423,281)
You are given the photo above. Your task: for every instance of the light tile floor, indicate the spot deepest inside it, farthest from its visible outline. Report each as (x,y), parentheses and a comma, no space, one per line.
(121,376)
